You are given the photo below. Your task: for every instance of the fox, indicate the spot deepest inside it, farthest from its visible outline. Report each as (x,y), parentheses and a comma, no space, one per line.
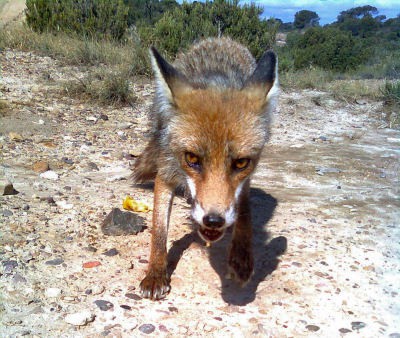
(210,120)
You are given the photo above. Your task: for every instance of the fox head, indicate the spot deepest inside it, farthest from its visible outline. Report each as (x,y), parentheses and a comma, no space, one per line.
(215,136)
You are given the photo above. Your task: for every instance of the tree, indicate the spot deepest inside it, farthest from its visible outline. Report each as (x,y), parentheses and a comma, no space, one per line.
(357,13)
(305,18)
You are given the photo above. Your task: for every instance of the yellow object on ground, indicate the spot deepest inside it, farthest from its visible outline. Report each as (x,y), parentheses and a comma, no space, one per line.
(139,206)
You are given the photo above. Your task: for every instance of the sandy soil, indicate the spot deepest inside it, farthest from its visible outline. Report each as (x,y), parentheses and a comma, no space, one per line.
(11,10)
(325,206)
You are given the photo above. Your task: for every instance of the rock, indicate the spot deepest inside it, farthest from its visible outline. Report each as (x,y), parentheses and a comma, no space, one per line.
(6,187)
(79,318)
(93,166)
(104,305)
(91,264)
(52,292)
(147,328)
(15,137)
(9,266)
(64,204)
(322,170)
(111,252)
(125,307)
(54,262)
(17,278)
(119,223)
(312,328)
(357,325)
(103,117)
(7,213)
(344,330)
(97,289)
(40,167)
(49,175)
(133,296)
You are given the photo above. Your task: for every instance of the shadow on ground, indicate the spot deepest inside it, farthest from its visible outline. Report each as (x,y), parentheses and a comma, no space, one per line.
(266,251)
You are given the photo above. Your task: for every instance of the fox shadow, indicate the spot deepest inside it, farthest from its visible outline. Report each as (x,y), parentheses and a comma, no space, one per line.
(266,251)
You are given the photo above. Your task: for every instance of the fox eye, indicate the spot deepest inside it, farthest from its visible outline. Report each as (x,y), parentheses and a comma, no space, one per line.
(240,164)
(192,160)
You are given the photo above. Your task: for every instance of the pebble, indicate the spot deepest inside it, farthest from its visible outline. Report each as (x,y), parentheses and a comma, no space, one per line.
(358,325)
(92,264)
(9,266)
(344,330)
(97,289)
(7,213)
(313,328)
(118,223)
(52,292)
(15,137)
(40,167)
(64,205)
(49,175)
(56,261)
(79,318)
(111,252)
(104,305)
(17,278)
(394,335)
(147,328)
(133,296)
(93,166)
(125,307)
(6,188)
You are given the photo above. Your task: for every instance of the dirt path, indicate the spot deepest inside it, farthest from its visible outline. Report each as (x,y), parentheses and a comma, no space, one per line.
(326,216)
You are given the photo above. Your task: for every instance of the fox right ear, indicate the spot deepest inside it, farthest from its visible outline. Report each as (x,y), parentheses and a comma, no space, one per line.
(170,82)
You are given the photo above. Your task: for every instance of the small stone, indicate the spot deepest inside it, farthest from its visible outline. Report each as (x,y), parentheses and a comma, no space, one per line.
(118,223)
(40,167)
(9,266)
(313,328)
(133,296)
(79,318)
(97,289)
(49,175)
(344,330)
(147,328)
(90,249)
(394,335)
(125,307)
(26,207)
(103,117)
(67,160)
(111,252)
(15,137)
(64,205)
(52,292)
(92,264)
(357,325)
(6,188)
(17,278)
(323,138)
(104,305)
(93,166)
(7,213)
(56,261)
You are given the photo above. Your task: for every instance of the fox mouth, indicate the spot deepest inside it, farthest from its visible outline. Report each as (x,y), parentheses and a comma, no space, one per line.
(210,235)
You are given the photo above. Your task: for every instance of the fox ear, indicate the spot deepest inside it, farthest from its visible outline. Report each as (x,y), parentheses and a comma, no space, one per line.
(170,82)
(264,76)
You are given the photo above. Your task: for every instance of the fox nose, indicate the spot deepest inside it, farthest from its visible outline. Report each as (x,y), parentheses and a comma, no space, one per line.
(213,221)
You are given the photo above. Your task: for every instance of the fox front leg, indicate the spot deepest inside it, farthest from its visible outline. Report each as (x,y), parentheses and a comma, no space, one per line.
(241,261)
(156,283)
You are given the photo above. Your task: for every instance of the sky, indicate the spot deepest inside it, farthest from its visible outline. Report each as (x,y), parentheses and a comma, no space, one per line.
(327,10)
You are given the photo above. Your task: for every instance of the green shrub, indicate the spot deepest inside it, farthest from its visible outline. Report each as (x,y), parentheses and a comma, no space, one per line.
(391,92)
(92,18)
(329,48)
(180,27)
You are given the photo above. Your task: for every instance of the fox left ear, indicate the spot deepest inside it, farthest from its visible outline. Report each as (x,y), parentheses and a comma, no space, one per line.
(264,76)
(170,82)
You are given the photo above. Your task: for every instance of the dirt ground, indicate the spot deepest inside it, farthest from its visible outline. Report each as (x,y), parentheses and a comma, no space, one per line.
(325,204)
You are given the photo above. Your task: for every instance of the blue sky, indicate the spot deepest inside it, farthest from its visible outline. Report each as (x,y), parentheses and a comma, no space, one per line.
(327,10)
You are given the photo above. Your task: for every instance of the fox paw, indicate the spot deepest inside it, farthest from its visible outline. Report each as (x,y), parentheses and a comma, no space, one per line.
(155,285)
(241,264)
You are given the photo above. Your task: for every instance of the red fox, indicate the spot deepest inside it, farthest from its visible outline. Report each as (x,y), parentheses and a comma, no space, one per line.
(211,117)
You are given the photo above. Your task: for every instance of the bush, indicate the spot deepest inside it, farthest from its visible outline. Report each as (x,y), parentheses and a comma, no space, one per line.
(329,48)
(179,28)
(91,18)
